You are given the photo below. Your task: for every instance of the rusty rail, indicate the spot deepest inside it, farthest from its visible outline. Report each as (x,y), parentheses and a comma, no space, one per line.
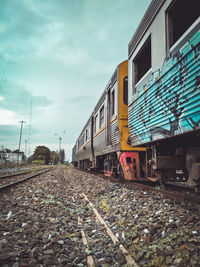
(171,195)
(22,180)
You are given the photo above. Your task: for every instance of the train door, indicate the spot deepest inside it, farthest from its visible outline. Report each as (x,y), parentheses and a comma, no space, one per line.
(92,140)
(108,117)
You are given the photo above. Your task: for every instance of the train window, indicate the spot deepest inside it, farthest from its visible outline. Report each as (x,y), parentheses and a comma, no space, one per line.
(86,135)
(180,16)
(89,132)
(101,122)
(125,90)
(82,140)
(113,103)
(95,123)
(142,62)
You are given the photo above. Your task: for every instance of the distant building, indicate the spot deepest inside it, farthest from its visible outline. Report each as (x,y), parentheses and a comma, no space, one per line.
(10,157)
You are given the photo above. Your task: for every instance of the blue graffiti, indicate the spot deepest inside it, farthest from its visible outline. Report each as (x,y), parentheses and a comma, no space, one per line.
(169,105)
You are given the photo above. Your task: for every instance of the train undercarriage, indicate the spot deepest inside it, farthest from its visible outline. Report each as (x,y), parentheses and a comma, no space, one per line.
(174,159)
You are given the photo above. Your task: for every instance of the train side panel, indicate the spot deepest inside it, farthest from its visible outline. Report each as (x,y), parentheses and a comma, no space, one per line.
(170,105)
(164,89)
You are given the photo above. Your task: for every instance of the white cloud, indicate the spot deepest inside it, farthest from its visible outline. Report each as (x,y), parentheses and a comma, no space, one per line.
(8,117)
(1,98)
(55,45)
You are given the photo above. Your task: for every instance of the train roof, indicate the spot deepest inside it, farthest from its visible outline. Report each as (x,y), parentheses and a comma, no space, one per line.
(147,19)
(109,84)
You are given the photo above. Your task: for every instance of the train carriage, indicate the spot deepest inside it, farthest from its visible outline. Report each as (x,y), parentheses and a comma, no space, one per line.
(103,142)
(150,129)
(164,89)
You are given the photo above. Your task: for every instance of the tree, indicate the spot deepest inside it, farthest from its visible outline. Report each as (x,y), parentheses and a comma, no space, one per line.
(62,155)
(7,150)
(54,157)
(42,153)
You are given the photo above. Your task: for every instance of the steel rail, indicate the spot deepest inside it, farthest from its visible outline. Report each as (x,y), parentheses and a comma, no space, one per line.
(171,195)
(14,174)
(23,180)
(19,173)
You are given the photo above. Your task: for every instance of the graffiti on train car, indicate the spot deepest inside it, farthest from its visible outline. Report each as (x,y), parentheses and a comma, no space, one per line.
(169,103)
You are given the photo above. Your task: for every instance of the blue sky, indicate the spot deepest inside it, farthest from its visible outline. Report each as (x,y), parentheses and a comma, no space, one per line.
(59,55)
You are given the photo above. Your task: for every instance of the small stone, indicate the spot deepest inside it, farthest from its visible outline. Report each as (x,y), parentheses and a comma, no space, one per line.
(177,261)
(49,252)
(61,242)
(148,238)
(123,235)
(34,251)
(6,233)
(108,259)
(139,255)
(158,212)
(136,240)
(146,231)
(40,258)
(24,264)
(168,260)
(182,247)
(3,242)
(9,215)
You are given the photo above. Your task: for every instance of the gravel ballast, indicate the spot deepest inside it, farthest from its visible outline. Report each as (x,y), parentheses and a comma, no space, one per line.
(39,224)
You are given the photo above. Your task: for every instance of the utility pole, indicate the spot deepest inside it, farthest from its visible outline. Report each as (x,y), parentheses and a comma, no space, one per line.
(20,139)
(25,147)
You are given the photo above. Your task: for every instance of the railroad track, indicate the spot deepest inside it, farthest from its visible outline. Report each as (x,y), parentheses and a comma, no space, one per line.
(8,181)
(107,233)
(184,196)
(168,190)
(14,174)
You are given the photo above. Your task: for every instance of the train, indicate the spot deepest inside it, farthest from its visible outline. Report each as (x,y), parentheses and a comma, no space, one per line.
(146,124)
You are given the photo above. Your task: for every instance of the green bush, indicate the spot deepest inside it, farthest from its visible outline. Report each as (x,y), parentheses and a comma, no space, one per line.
(38,162)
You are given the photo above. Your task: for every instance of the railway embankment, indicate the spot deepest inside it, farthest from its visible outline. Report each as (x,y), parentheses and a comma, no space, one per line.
(70,218)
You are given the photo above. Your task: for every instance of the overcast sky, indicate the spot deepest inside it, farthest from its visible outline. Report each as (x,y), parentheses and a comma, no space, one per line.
(59,55)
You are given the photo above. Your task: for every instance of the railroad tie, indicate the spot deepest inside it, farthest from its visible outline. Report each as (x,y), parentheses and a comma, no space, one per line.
(90,260)
(129,259)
